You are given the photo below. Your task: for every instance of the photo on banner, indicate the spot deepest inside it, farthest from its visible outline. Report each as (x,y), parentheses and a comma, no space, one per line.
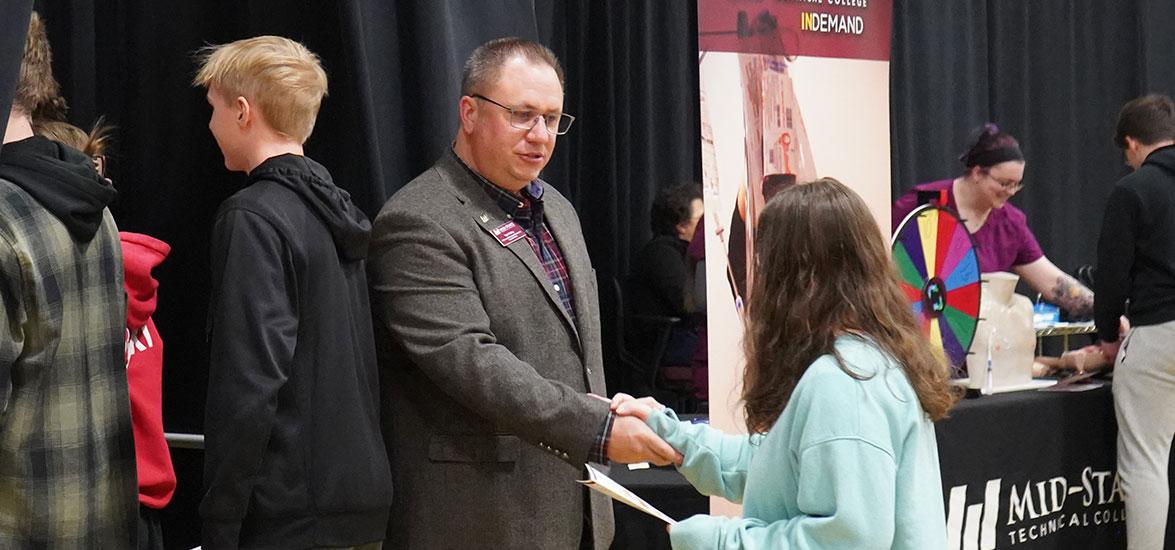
(790,91)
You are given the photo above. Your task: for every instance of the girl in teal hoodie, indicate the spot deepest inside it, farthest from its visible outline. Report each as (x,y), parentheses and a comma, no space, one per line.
(839,393)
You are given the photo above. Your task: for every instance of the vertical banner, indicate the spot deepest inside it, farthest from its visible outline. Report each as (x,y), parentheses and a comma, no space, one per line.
(791,90)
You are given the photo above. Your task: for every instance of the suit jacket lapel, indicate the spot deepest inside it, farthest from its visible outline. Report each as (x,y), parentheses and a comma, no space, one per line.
(489,216)
(489,220)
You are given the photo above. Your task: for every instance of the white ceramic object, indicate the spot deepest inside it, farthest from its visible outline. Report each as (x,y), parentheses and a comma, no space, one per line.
(1002,351)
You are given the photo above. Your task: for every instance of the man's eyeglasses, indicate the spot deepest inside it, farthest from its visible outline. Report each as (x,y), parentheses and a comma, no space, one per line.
(525,120)
(1008,184)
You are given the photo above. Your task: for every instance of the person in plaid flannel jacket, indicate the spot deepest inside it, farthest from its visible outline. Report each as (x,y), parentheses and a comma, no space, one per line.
(67,462)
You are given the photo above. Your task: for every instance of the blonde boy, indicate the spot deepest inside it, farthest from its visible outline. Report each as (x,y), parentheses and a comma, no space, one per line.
(294,457)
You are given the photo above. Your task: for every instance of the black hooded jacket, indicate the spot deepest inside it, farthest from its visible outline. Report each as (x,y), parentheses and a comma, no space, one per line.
(1136,249)
(62,180)
(294,456)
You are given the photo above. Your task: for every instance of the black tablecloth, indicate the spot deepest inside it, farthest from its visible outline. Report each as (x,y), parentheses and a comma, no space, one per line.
(1057,447)
(1049,462)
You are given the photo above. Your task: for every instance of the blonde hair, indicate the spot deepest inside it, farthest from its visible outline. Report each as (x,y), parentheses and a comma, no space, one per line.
(278,75)
(93,144)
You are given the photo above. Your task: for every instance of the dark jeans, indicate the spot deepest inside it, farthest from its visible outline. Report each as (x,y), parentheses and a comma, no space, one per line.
(679,352)
(150,529)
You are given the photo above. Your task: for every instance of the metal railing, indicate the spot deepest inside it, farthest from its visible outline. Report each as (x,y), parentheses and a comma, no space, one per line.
(185,441)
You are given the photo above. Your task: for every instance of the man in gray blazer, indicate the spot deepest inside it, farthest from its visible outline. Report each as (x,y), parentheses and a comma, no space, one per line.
(488,331)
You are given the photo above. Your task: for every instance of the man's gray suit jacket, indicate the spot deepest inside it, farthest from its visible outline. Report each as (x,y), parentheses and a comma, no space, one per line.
(484,375)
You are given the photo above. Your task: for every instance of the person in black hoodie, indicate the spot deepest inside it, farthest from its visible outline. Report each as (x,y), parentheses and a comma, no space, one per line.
(67,458)
(1136,276)
(294,457)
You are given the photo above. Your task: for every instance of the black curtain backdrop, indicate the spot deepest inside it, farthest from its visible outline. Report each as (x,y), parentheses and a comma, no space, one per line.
(1158,19)
(1053,73)
(632,81)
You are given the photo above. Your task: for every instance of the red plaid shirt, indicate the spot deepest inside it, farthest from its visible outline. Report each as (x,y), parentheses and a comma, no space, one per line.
(526,210)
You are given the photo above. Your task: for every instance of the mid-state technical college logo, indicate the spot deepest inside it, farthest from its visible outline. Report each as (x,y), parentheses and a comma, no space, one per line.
(1034,510)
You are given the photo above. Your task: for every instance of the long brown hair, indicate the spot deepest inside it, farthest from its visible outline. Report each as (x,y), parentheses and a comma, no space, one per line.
(822,269)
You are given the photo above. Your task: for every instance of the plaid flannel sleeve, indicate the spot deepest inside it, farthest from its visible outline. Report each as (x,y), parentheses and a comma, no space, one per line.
(599,452)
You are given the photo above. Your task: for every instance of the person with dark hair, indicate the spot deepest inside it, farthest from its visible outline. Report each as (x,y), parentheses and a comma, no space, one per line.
(67,456)
(659,280)
(994,172)
(488,331)
(659,283)
(1136,278)
(840,392)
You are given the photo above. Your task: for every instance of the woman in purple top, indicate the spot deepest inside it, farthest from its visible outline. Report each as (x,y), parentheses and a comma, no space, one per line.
(995,172)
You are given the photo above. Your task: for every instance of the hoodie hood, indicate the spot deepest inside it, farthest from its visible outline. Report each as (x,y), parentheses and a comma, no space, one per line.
(140,254)
(61,179)
(348,225)
(1163,157)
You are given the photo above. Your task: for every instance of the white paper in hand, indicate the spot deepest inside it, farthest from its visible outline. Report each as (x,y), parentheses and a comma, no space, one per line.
(604,484)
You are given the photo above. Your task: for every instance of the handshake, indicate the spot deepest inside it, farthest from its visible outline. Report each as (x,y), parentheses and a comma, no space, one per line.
(631,439)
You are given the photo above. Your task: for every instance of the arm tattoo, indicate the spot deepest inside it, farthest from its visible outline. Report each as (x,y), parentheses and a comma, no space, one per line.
(1073,297)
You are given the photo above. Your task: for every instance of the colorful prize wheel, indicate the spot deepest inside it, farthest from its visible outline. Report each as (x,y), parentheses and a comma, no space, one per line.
(936,258)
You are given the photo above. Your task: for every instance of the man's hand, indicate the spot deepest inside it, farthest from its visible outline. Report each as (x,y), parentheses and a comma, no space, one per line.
(632,441)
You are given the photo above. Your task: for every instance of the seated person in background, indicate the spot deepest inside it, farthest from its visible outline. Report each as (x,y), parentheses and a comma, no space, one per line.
(840,393)
(144,347)
(660,283)
(994,173)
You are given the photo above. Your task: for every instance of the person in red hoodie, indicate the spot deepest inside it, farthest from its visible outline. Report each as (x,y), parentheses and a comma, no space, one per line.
(143,346)
(144,371)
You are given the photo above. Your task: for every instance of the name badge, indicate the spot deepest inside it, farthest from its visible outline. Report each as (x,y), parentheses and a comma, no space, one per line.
(508,233)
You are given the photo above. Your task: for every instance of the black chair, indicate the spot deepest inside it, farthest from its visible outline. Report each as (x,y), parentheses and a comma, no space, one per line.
(632,373)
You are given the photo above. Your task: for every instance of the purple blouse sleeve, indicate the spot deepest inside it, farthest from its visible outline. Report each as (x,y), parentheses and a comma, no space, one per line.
(1029,250)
